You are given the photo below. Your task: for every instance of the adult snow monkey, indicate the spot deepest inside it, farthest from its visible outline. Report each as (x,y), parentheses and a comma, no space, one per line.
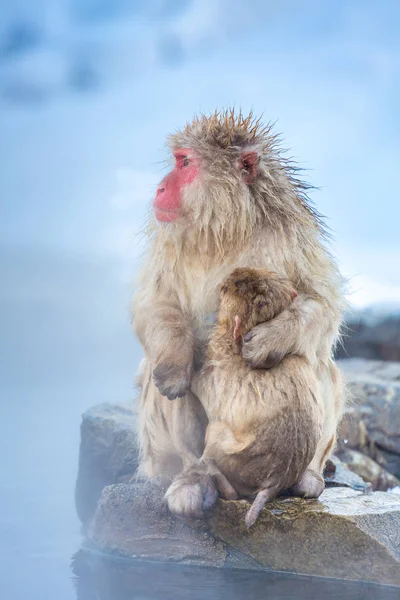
(230,201)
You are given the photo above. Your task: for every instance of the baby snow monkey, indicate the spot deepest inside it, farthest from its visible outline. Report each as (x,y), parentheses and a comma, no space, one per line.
(264,425)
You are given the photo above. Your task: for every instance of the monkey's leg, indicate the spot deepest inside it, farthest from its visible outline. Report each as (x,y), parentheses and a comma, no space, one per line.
(224,486)
(158,456)
(171,434)
(196,489)
(340,391)
(331,386)
(311,485)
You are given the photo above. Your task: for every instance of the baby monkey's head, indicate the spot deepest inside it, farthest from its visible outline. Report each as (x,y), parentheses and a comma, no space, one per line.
(252,296)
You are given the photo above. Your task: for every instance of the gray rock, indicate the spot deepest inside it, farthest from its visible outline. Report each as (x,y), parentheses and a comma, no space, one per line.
(390,461)
(134,520)
(369,470)
(371,335)
(337,474)
(345,534)
(108,453)
(371,423)
(378,369)
(127,517)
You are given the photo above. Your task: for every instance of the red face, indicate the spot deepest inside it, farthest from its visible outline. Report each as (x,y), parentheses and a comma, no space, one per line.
(168,200)
(167,203)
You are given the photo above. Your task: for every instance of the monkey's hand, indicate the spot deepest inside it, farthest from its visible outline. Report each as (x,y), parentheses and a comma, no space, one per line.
(172,379)
(267,344)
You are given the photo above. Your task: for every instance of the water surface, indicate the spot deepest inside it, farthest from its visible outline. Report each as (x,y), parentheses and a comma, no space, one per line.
(99,578)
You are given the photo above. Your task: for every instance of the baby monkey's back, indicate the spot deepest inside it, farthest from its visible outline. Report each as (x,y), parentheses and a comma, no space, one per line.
(264,425)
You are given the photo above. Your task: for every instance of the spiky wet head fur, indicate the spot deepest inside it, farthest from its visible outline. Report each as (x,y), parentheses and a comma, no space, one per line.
(224,207)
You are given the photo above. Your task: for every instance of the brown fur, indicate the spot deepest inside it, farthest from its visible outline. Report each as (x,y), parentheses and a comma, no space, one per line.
(264,426)
(227,223)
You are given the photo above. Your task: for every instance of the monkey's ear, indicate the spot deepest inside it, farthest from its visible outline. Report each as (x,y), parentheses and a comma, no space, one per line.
(248,165)
(236,331)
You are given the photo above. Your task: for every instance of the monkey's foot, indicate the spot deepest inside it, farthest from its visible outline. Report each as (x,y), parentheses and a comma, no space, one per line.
(311,485)
(192,493)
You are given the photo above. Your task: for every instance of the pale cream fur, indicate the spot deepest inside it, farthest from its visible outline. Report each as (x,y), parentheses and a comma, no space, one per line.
(226,224)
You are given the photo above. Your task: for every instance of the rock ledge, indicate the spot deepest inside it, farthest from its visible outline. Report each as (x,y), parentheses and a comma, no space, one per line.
(348,533)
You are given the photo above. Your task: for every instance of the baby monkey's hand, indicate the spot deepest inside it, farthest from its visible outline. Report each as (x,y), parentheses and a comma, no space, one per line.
(267,344)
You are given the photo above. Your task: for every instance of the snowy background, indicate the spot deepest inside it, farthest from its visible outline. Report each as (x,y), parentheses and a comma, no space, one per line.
(90,88)
(88,91)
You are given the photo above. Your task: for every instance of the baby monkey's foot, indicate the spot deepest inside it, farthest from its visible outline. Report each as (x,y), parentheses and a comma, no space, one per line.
(311,485)
(192,493)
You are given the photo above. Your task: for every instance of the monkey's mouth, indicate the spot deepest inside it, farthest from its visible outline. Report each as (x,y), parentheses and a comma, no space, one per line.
(166,216)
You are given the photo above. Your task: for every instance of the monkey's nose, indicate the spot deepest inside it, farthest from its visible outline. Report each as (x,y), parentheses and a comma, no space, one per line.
(160,191)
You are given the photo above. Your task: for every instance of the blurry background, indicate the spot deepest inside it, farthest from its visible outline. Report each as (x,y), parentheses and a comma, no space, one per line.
(88,91)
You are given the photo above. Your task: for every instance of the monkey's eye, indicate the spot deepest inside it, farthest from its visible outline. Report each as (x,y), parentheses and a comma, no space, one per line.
(182,161)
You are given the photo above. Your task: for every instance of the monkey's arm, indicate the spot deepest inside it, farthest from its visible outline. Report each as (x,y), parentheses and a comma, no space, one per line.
(167,338)
(296,330)
(308,328)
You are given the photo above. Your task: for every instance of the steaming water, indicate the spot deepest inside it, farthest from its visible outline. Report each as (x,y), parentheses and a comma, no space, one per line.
(40,532)
(146,581)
